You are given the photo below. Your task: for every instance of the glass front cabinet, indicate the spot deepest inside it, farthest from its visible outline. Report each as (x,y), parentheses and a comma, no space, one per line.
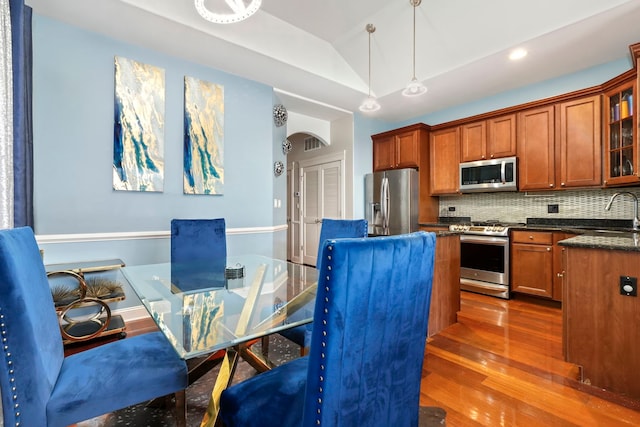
(621,135)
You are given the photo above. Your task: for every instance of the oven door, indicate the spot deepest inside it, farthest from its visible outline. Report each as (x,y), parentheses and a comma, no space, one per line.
(484,264)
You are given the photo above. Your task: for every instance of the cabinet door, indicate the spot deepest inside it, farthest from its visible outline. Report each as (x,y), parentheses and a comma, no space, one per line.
(559,268)
(621,139)
(384,156)
(536,145)
(501,136)
(531,267)
(473,141)
(444,150)
(580,154)
(407,149)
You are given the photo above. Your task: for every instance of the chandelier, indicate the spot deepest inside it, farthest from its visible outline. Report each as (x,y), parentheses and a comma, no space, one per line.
(414,87)
(228,11)
(370,104)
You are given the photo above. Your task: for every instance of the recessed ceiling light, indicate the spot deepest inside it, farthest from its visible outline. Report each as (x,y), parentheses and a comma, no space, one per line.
(518,53)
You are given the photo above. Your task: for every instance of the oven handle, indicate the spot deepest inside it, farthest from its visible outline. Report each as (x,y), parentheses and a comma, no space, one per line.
(485,240)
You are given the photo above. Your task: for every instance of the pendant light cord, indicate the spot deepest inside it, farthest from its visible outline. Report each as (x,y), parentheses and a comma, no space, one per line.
(414,39)
(370,29)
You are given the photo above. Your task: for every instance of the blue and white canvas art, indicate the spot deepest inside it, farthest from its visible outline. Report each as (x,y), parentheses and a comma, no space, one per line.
(138,130)
(203,137)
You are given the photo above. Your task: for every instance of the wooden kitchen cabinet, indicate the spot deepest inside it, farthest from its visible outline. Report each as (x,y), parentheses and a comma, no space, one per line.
(559,146)
(532,263)
(600,332)
(537,266)
(559,265)
(536,142)
(399,148)
(488,139)
(580,140)
(621,139)
(444,154)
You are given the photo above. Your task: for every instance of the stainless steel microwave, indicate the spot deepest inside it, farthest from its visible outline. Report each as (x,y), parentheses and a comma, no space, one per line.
(489,175)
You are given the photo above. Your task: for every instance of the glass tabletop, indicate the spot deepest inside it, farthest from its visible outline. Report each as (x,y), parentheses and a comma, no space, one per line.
(202,308)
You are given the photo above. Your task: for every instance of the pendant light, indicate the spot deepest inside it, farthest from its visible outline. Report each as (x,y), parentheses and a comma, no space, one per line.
(228,11)
(370,104)
(414,88)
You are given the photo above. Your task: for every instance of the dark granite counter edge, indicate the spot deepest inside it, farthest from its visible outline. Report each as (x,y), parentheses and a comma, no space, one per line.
(629,242)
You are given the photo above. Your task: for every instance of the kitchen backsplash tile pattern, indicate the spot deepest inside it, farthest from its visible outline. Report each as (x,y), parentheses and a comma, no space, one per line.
(517,207)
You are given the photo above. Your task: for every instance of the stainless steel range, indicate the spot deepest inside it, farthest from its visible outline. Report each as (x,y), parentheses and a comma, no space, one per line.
(484,258)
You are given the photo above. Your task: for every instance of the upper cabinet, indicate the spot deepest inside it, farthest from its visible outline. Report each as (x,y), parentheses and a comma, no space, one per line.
(488,139)
(536,145)
(559,145)
(444,153)
(621,139)
(580,142)
(399,148)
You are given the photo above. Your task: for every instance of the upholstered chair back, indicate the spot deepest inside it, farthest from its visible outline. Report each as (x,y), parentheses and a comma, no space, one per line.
(32,351)
(369,334)
(198,253)
(338,229)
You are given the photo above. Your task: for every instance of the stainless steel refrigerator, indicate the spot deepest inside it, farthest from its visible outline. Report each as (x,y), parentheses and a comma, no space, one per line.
(391,201)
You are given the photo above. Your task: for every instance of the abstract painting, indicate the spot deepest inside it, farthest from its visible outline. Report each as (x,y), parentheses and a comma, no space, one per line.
(203,137)
(138,140)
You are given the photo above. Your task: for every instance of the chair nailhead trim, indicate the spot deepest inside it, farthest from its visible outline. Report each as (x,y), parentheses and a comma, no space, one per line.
(324,334)
(11,370)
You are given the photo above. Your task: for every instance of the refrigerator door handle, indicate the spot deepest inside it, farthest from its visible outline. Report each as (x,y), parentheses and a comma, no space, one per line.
(384,201)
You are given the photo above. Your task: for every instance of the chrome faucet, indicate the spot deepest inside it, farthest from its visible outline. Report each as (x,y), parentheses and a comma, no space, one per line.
(636,221)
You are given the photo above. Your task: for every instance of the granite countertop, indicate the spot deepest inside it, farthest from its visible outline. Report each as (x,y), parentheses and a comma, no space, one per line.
(608,234)
(615,241)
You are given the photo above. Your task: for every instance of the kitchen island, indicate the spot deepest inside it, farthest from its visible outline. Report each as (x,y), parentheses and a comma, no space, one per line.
(445,294)
(601,317)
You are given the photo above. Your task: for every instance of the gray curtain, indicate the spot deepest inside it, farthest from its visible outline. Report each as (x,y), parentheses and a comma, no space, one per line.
(21,48)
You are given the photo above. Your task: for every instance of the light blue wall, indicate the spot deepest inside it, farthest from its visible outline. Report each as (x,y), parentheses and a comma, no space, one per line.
(363,128)
(73,113)
(73,140)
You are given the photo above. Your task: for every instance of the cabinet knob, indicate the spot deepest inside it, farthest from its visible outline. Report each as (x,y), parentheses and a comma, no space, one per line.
(530,237)
(550,185)
(560,275)
(562,184)
(492,156)
(548,249)
(484,157)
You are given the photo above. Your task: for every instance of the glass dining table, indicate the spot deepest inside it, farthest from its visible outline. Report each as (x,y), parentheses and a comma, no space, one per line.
(205,307)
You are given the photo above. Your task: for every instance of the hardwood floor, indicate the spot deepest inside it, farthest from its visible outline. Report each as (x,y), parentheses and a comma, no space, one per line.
(502,365)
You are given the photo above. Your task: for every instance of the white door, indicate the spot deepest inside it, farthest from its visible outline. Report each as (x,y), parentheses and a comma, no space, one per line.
(294,206)
(321,198)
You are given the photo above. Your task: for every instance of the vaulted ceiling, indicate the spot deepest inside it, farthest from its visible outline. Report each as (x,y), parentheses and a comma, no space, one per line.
(315,52)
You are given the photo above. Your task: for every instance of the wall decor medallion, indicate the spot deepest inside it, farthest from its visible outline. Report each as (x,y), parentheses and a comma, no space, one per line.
(286,146)
(279,115)
(278,168)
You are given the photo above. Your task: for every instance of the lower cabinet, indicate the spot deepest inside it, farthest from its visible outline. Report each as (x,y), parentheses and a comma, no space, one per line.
(536,263)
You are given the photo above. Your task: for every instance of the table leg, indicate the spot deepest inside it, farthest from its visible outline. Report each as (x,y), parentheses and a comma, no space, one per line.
(228,367)
(223,380)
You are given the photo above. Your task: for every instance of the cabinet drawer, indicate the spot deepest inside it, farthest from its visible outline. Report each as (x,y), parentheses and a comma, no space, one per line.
(537,237)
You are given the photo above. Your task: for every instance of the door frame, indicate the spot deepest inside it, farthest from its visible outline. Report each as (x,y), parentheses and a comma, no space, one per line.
(315,161)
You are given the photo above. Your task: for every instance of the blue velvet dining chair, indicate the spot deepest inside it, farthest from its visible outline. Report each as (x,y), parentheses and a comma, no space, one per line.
(198,253)
(364,366)
(40,387)
(330,229)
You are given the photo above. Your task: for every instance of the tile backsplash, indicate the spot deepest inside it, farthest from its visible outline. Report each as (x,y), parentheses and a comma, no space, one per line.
(517,206)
